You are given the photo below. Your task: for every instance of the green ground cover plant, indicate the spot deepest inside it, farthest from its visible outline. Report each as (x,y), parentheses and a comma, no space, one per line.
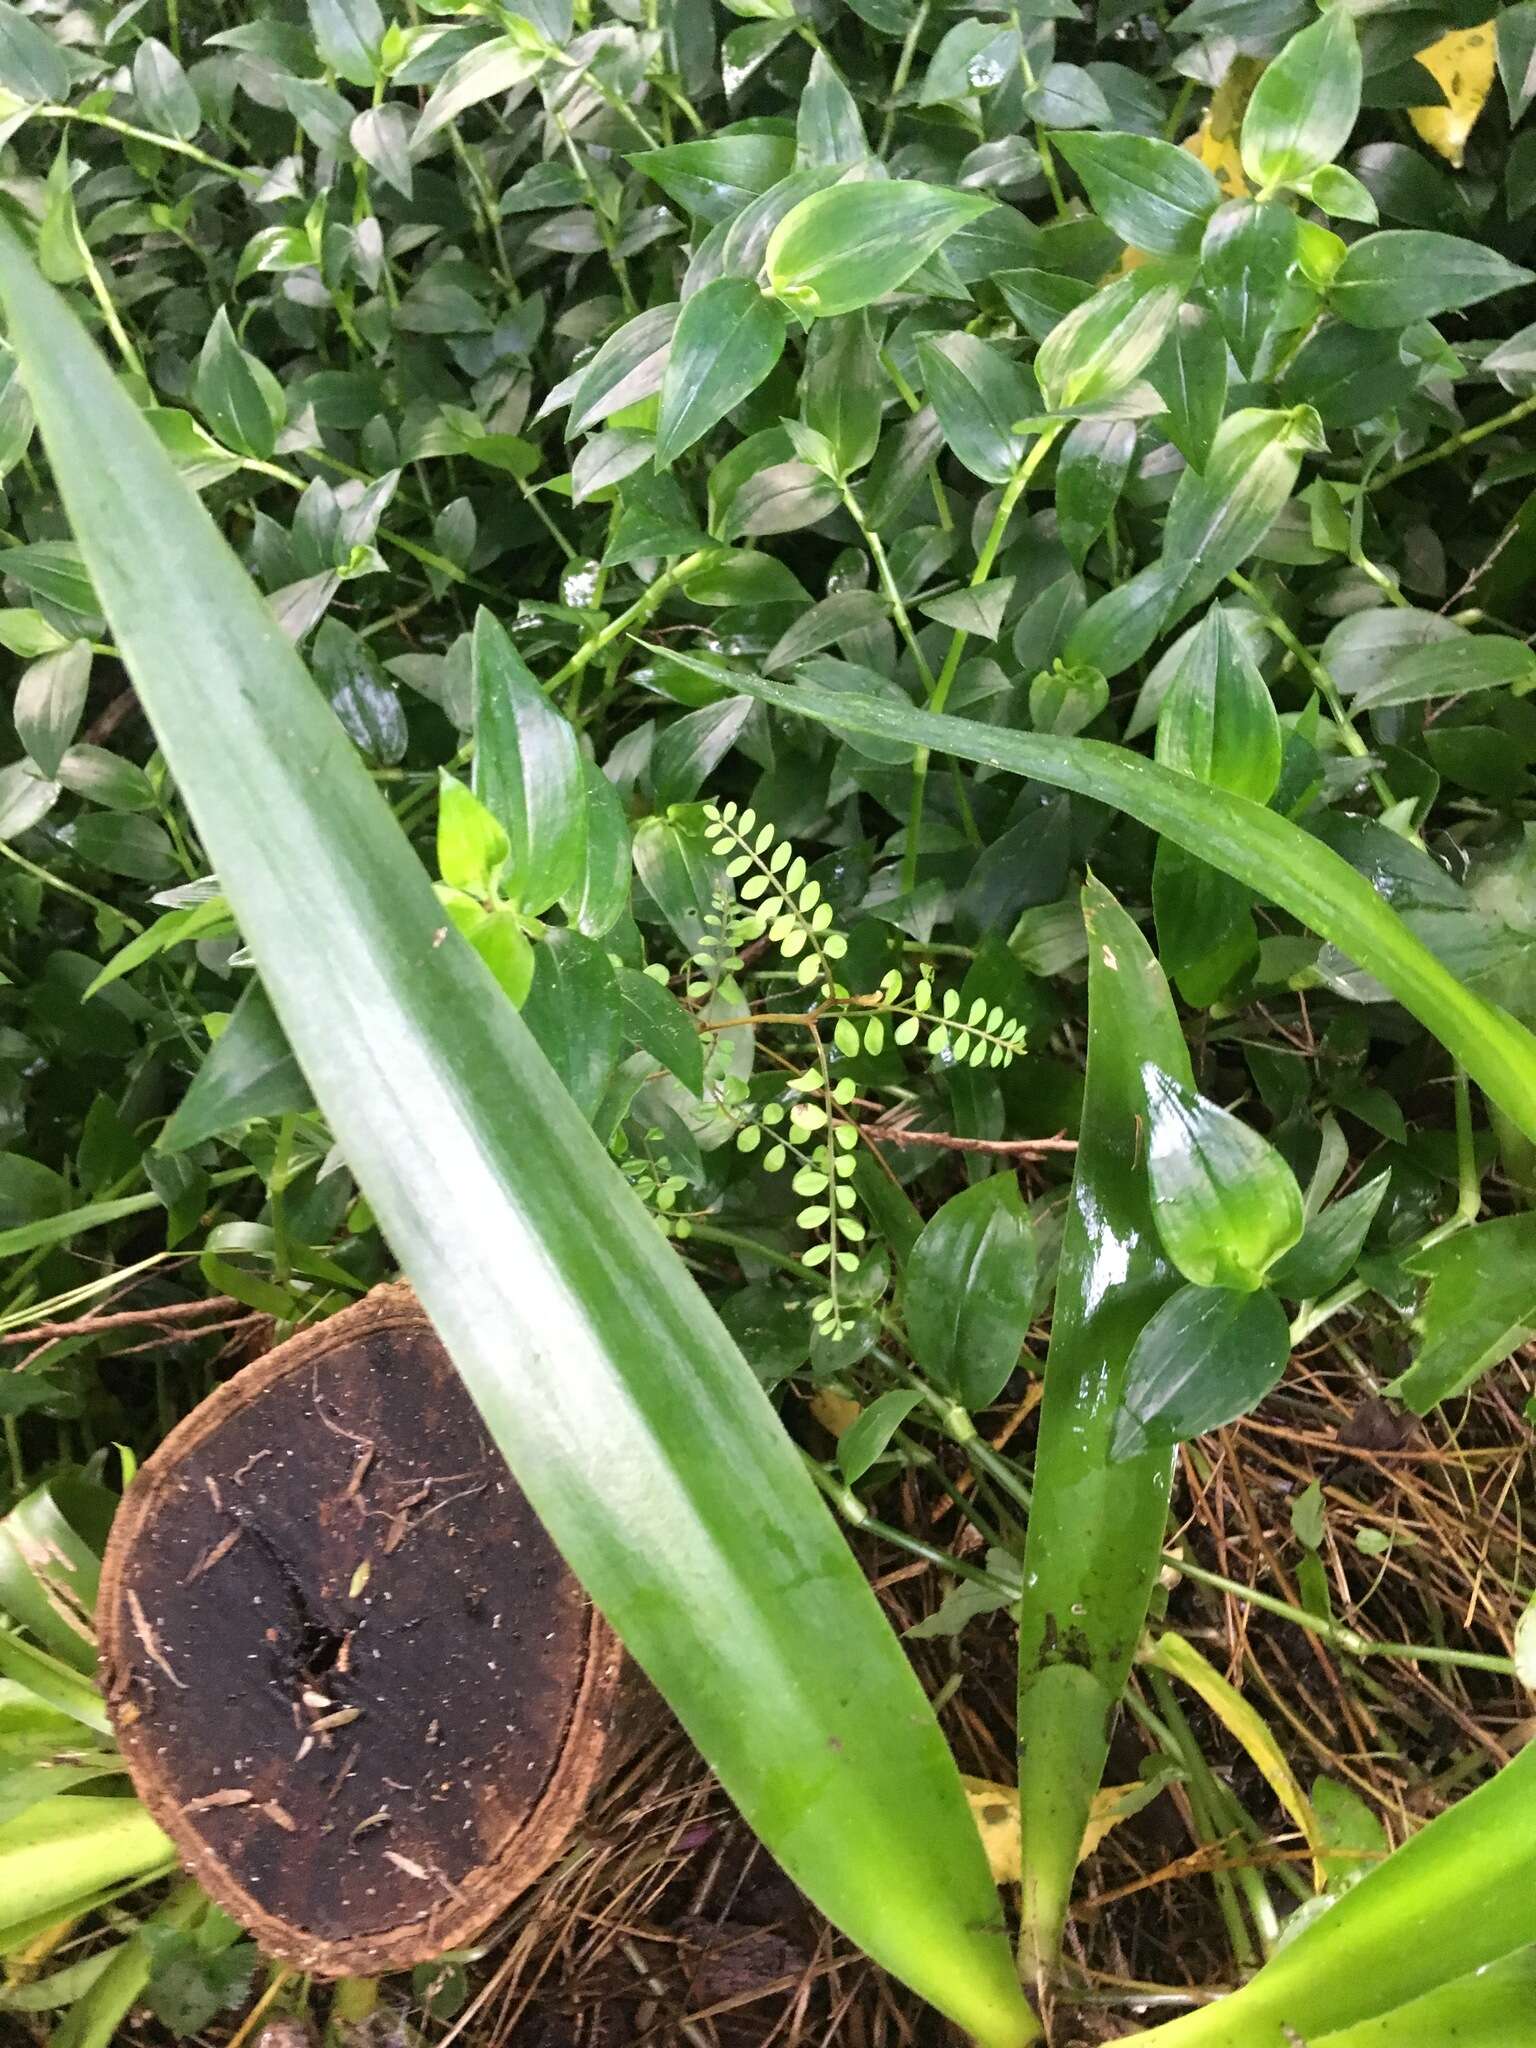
(829,711)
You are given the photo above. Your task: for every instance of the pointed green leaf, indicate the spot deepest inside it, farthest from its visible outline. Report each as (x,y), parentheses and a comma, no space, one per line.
(1207,1356)
(1408,274)
(50,699)
(1095,1527)
(980,395)
(1218,722)
(1156,197)
(728,337)
(238,396)
(1225,1202)
(1189,374)
(348,34)
(250,1072)
(1305,103)
(528,772)
(636,1428)
(845,248)
(970,1282)
(1479,1307)
(1219,515)
(1101,348)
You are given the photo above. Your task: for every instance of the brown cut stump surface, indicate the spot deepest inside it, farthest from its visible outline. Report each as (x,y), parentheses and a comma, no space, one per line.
(351,1676)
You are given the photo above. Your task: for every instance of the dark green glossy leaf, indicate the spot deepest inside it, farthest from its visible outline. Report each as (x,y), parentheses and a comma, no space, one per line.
(1408,274)
(980,395)
(715,178)
(1206,1357)
(1189,374)
(652,1018)
(1091,468)
(844,388)
(970,1282)
(1156,197)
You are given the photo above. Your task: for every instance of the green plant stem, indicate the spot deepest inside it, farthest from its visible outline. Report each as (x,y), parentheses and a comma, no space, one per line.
(1320,677)
(53,881)
(938,693)
(1452,445)
(893,595)
(247,175)
(626,621)
(1199,1790)
(1347,1640)
(903,72)
(853,1511)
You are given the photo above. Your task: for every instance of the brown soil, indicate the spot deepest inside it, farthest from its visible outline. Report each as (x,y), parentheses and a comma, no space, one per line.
(351,1676)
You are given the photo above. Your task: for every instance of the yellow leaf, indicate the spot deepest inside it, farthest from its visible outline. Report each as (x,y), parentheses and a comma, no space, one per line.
(1461,64)
(1181,1660)
(835,1412)
(1218,152)
(996,1808)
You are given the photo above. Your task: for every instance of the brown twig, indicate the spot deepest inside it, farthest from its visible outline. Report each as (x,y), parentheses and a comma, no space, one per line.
(92,1326)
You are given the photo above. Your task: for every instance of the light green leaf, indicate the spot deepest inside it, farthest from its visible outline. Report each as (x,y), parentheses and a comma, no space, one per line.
(164,91)
(636,1428)
(1305,103)
(50,699)
(1225,1202)
(528,772)
(1101,348)
(1479,1307)
(845,248)
(1218,722)
(348,34)
(728,338)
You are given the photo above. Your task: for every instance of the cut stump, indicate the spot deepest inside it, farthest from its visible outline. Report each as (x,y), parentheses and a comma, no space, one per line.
(350,1675)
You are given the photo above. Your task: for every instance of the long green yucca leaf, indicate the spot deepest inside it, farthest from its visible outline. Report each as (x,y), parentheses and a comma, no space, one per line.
(64,1850)
(1095,1527)
(1459,1895)
(624,1409)
(1493,2008)
(1257,846)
